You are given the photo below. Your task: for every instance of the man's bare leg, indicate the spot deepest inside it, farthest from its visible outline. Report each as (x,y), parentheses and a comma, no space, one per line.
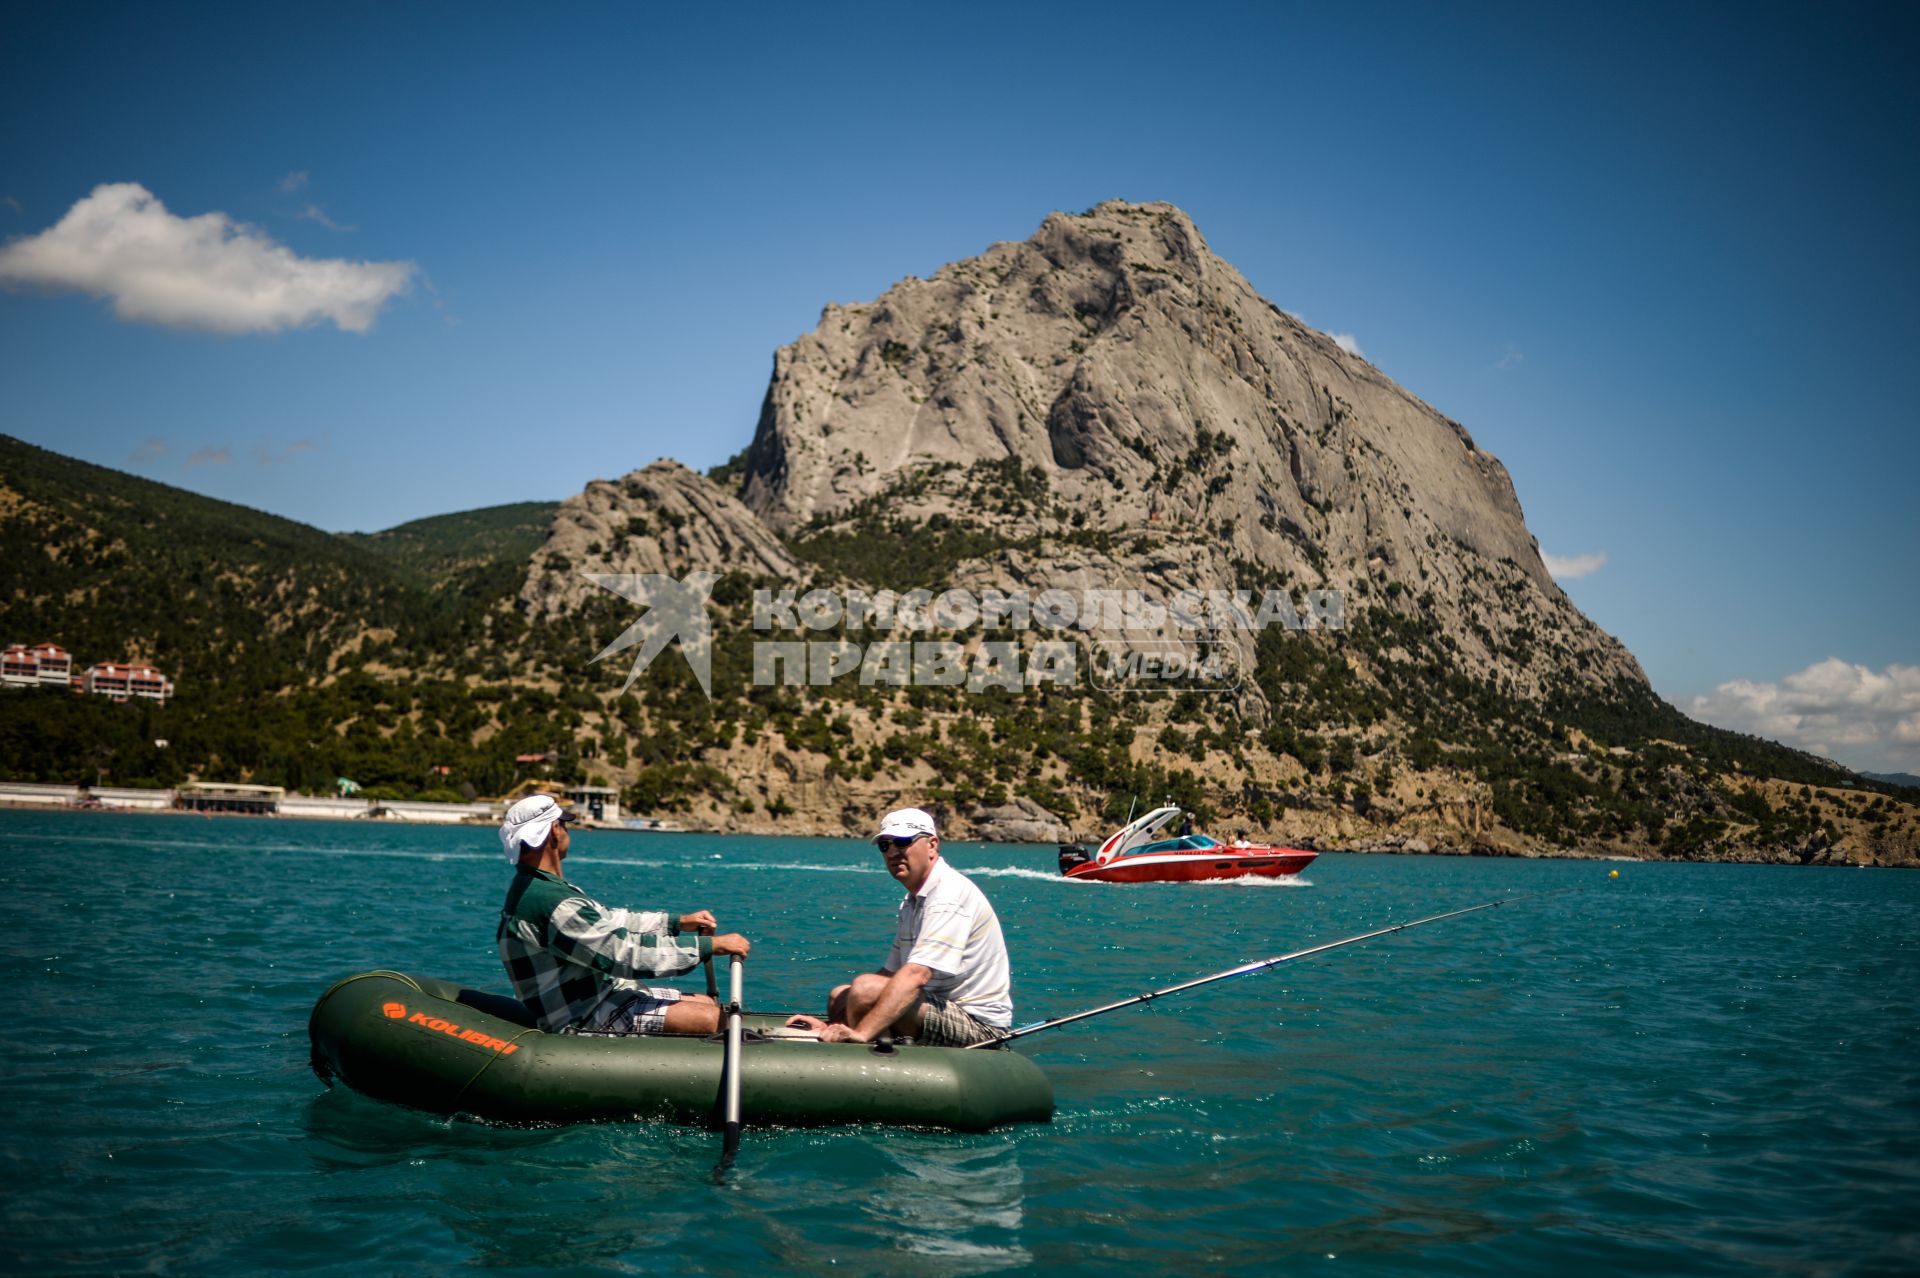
(693,1014)
(864,993)
(837,1005)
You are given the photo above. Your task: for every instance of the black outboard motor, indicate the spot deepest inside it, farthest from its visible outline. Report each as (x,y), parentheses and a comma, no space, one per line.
(1072,854)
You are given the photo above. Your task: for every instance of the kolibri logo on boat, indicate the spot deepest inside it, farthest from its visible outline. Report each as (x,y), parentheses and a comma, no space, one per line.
(435,1025)
(1137,641)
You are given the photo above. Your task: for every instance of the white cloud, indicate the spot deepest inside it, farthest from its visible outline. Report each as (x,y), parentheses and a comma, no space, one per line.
(1512,359)
(267,454)
(210,457)
(1573,567)
(206,272)
(1831,707)
(314,213)
(294,181)
(153,450)
(1345,341)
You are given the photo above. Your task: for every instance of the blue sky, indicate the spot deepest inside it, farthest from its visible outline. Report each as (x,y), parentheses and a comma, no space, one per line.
(1659,260)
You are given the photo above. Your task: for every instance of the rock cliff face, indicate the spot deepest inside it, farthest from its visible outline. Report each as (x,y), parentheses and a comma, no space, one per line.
(1154,394)
(1021,821)
(662,519)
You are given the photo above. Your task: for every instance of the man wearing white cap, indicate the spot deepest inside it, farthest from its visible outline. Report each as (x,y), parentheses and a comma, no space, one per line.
(946,980)
(578,965)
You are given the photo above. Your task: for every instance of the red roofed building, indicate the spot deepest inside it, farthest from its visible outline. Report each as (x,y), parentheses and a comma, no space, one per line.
(56,666)
(112,679)
(18,666)
(46,663)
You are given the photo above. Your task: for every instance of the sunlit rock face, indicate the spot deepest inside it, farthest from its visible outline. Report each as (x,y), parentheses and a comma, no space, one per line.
(663,519)
(1115,364)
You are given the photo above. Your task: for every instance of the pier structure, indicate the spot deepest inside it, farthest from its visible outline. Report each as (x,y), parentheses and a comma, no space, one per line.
(230,796)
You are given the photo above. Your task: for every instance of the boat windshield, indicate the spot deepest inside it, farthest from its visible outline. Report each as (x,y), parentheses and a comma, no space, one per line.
(1191,843)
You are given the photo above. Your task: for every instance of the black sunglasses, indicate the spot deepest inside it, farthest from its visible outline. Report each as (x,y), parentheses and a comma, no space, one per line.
(885,842)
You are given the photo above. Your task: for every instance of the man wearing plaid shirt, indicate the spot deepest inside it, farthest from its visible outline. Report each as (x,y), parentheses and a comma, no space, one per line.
(578,965)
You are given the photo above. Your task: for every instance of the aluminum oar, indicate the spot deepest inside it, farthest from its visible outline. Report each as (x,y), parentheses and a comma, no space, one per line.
(730,1081)
(1246,969)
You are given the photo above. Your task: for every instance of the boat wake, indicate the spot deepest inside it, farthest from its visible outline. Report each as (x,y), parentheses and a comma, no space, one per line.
(1015,872)
(805,866)
(708,864)
(1259,881)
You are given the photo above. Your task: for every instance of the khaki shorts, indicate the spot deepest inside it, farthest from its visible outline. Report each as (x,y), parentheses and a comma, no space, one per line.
(944,1025)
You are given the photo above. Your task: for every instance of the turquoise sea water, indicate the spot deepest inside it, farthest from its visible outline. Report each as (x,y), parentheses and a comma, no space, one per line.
(1692,1069)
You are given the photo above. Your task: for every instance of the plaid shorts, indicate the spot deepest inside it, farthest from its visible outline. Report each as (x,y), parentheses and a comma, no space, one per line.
(644,1013)
(944,1025)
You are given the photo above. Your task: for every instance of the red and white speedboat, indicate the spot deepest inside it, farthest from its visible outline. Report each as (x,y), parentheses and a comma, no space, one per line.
(1138,853)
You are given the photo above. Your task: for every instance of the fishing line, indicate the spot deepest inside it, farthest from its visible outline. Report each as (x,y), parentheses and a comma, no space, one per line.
(1261,965)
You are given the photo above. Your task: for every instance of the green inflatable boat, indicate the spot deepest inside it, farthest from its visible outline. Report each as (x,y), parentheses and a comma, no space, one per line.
(434,1046)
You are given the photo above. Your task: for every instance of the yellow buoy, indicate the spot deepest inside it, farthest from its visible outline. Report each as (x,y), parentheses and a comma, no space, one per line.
(1613,874)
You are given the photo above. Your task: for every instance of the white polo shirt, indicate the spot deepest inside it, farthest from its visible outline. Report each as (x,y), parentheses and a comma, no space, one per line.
(949,927)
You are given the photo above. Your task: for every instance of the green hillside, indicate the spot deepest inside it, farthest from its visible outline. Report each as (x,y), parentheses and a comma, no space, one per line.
(400,659)
(431,549)
(297,655)
(115,567)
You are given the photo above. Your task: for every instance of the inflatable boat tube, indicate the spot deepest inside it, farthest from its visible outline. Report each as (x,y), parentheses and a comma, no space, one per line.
(434,1046)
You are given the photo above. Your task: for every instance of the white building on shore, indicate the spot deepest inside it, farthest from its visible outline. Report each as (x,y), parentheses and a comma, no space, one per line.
(437,813)
(326,809)
(597,802)
(130,799)
(38,794)
(230,796)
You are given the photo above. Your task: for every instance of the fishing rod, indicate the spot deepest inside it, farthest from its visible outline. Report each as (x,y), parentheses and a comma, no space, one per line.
(1260,966)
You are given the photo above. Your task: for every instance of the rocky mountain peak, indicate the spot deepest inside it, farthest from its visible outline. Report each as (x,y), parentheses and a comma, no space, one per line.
(1143,387)
(663,518)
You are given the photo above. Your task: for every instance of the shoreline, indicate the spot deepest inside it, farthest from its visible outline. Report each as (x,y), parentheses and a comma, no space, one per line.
(1742,856)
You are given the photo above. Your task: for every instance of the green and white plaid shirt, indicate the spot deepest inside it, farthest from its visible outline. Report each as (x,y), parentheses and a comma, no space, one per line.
(574,961)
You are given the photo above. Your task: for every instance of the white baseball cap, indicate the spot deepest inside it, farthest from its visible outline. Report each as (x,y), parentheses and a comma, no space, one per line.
(905,823)
(528,823)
